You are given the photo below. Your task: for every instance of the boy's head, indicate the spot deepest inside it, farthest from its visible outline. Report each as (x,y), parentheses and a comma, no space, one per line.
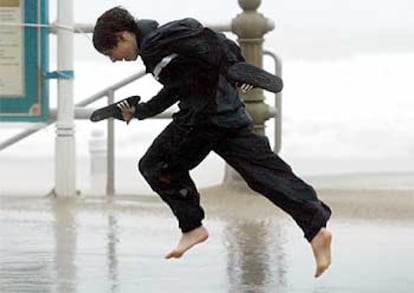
(115,35)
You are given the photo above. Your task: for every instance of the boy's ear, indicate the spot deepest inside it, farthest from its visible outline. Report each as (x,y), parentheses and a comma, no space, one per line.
(120,36)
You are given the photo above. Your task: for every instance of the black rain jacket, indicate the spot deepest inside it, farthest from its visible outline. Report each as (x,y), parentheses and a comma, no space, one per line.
(195,78)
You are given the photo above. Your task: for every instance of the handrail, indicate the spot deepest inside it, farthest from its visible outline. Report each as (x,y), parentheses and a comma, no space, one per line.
(114,87)
(278,102)
(25,133)
(85,28)
(103,93)
(83,113)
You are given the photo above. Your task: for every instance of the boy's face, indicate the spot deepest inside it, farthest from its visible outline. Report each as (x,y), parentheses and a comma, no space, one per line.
(126,49)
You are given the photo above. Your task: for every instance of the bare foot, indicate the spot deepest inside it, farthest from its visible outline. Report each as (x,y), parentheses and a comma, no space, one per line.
(321,247)
(188,240)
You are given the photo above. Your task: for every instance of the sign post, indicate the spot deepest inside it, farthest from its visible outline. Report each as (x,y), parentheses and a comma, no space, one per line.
(65,151)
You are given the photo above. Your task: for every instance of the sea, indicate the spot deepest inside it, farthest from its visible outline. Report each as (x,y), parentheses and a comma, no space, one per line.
(345,122)
(346,129)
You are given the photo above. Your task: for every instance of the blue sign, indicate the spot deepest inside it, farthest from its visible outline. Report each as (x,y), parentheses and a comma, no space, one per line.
(24,33)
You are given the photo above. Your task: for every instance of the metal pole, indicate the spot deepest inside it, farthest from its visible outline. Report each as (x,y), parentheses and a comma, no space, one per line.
(65,165)
(278,103)
(110,180)
(85,28)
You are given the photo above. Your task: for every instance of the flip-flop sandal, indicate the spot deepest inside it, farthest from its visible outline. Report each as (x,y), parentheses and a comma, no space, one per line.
(249,74)
(112,110)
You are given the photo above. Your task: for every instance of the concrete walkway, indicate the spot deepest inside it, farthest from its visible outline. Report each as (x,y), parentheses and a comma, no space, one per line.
(97,244)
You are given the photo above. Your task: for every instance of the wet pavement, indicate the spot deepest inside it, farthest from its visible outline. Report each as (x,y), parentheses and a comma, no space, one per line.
(117,245)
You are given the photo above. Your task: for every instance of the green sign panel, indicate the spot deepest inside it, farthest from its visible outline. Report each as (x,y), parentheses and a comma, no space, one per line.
(23,60)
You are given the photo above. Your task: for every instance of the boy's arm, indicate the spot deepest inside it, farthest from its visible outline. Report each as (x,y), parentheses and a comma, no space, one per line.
(165,98)
(130,107)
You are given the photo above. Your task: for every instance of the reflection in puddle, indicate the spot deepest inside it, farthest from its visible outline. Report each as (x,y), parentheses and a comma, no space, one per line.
(65,232)
(112,261)
(50,245)
(256,259)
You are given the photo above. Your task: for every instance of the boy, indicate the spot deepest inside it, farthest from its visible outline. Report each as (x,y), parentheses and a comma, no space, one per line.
(194,65)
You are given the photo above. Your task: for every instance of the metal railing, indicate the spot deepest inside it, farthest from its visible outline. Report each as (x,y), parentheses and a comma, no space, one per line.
(278,103)
(82,113)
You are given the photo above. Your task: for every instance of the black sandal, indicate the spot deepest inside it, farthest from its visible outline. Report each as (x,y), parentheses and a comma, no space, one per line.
(245,73)
(112,111)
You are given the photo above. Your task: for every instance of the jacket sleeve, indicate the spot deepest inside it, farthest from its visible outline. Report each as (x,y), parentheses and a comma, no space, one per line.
(165,98)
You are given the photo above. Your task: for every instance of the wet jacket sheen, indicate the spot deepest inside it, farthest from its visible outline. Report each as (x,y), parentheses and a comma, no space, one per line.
(194,78)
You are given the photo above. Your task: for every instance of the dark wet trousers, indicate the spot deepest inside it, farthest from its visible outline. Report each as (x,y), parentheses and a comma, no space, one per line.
(179,149)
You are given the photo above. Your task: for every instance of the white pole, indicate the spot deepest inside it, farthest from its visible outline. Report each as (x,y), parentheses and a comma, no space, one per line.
(65,155)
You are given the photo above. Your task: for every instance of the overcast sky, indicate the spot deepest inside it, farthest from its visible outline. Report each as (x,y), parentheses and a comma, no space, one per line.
(318,28)
(333,108)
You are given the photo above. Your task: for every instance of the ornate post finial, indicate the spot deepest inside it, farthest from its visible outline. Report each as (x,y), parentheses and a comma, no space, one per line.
(249,5)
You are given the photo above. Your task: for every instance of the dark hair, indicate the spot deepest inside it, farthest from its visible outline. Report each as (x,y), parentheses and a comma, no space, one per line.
(112,21)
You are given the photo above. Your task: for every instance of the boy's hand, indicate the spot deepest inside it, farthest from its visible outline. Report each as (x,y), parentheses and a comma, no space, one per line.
(126,110)
(245,87)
